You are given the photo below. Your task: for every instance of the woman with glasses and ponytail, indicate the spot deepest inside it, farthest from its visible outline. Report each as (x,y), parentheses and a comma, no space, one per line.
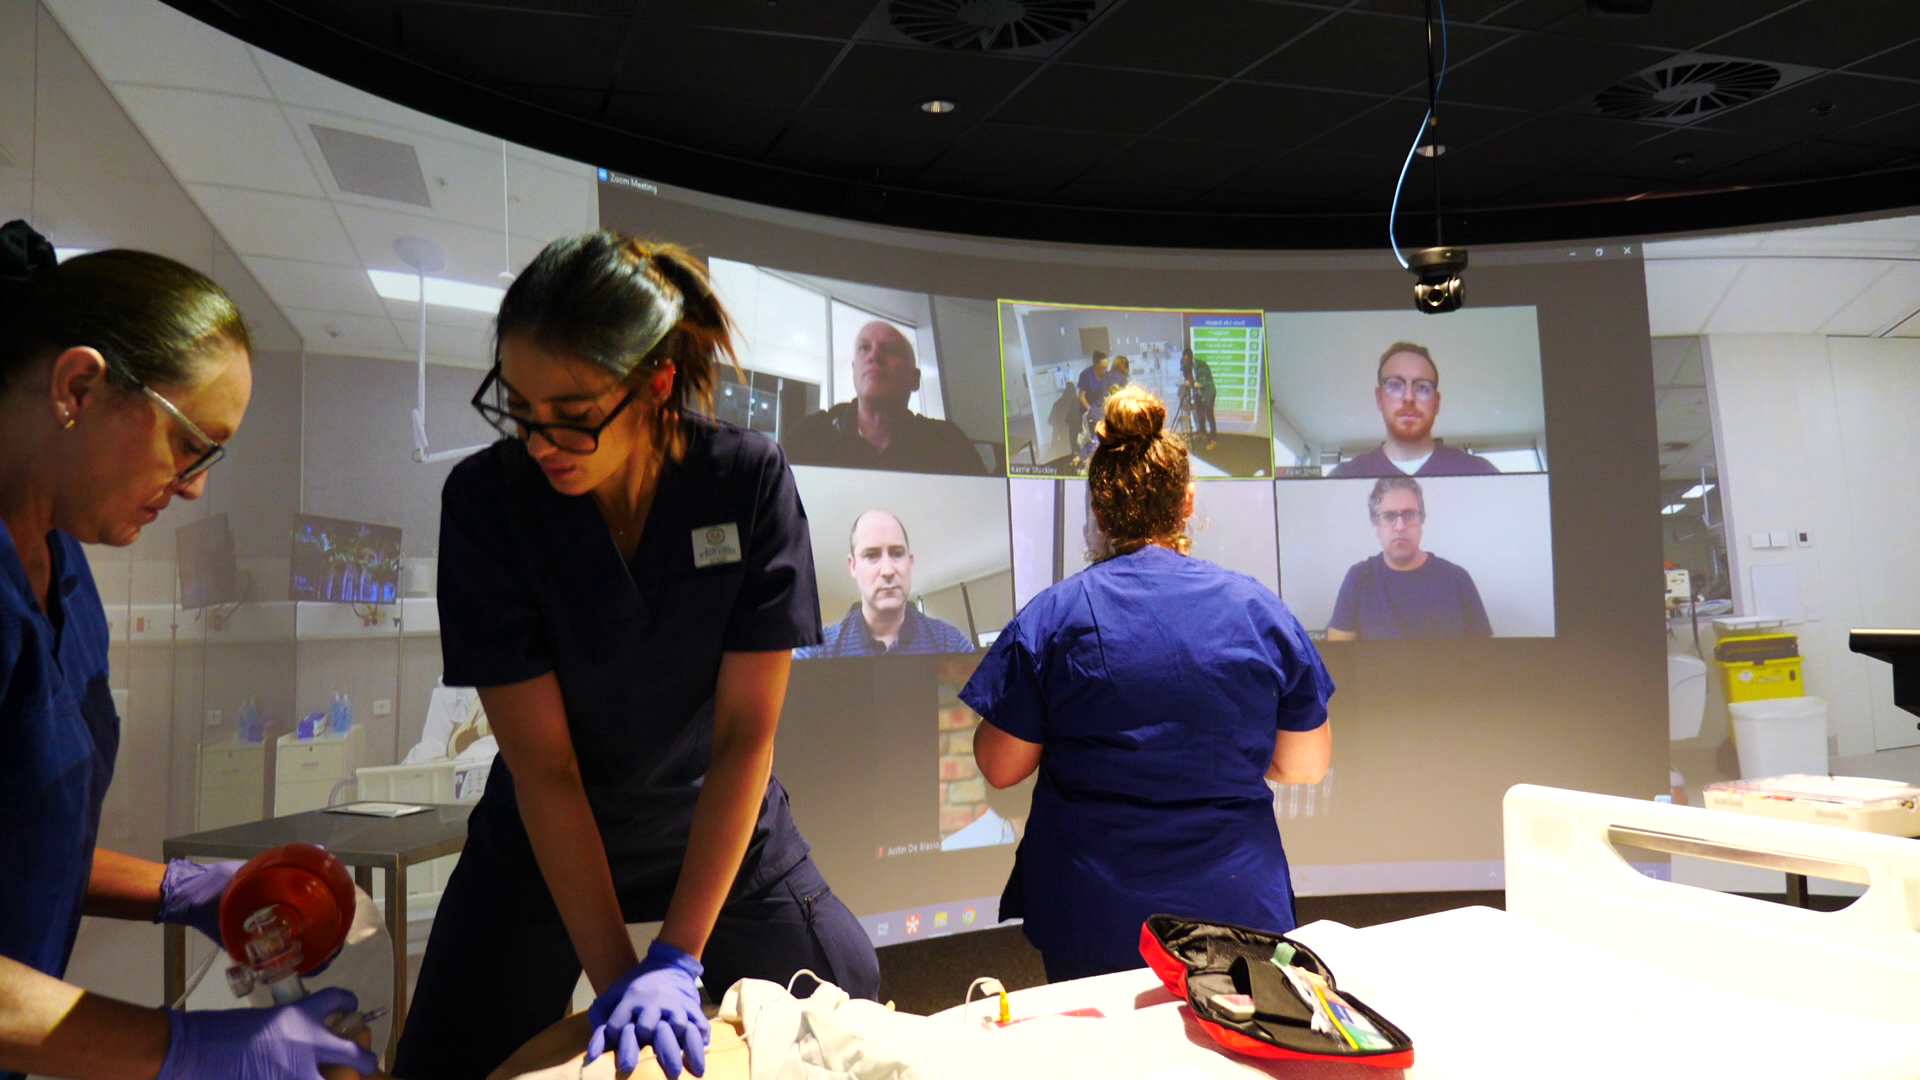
(122,376)
(1154,693)
(625,580)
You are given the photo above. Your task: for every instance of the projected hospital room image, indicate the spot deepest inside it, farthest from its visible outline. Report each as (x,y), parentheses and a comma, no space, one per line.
(1060,363)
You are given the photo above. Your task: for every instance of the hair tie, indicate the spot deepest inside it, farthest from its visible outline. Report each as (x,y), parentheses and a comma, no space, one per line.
(23,254)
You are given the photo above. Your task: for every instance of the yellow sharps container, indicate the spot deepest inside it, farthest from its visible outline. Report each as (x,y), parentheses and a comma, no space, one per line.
(1760,666)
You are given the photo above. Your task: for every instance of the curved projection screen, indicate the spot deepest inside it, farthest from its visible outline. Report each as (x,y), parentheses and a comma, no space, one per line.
(1481,623)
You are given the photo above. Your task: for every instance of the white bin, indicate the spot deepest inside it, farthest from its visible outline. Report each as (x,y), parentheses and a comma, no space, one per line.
(1780,736)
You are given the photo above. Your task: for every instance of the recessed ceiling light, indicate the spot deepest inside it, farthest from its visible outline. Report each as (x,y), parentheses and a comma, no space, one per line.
(1431,150)
(440,291)
(1696,491)
(1673,508)
(63,254)
(937,106)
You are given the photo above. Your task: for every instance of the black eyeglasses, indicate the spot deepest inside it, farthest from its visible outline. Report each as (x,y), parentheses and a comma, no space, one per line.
(208,452)
(490,401)
(1391,518)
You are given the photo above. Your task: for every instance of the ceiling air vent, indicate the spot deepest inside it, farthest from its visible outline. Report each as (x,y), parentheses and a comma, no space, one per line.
(988,25)
(1687,90)
(365,165)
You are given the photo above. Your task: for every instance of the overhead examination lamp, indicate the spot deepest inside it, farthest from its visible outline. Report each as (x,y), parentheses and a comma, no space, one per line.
(424,257)
(1439,269)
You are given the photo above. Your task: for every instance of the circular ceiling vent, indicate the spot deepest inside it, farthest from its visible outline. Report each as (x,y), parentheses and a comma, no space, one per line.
(1687,90)
(988,25)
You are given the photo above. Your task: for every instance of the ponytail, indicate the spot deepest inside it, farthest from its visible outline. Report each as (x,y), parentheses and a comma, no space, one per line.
(630,307)
(1137,479)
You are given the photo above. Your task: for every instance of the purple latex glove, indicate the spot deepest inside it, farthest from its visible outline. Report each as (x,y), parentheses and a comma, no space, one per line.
(190,894)
(657,1004)
(286,1042)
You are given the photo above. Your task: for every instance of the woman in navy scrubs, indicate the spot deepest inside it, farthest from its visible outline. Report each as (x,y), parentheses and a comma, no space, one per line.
(624,579)
(121,376)
(1153,692)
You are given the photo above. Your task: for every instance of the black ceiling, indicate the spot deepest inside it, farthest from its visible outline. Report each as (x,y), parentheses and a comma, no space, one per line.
(1192,123)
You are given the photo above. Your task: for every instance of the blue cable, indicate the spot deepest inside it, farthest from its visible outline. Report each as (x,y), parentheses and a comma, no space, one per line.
(1393,208)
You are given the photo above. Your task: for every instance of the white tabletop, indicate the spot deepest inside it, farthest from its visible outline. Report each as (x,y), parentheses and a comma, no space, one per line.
(1488,996)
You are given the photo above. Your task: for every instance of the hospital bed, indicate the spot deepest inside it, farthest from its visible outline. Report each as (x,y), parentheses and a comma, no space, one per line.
(1594,970)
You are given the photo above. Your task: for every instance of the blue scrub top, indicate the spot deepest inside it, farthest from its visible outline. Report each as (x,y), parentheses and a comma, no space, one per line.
(1156,685)
(530,582)
(58,737)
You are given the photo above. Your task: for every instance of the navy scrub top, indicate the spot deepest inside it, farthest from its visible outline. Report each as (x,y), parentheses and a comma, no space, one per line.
(1156,685)
(58,737)
(530,582)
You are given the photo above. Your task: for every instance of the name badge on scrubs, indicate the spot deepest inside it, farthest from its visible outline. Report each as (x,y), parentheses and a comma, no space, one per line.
(716,545)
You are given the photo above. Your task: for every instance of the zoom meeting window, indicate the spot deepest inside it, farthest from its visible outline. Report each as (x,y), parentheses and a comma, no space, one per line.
(901,471)
(1059,362)
(1412,456)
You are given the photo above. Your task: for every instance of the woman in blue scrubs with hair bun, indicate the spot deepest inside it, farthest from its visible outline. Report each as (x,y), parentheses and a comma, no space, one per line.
(1155,693)
(625,580)
(122,376)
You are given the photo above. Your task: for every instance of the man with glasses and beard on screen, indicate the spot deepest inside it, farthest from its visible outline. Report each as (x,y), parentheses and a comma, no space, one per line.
(1405,592)
(1407,393)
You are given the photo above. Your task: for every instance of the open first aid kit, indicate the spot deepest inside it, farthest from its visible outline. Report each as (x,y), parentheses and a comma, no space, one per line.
(1257,993)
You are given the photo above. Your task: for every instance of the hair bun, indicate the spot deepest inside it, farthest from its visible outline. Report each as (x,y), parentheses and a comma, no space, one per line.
(23,254)
(1131,414)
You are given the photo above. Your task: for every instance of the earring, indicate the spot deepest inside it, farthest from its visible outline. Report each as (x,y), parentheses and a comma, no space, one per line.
(66,419)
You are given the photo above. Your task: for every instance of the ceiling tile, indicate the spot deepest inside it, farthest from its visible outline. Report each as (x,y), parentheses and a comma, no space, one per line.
(1097,99)
(1819,288)
(335,332)
(549,203)
(735,128)
(729,64)
(1194,37)
(1460,11)
(1816,161)
(1175,163)
(1563,141)
(294,85)
(1542,71)
(484,45)
(1466,183)
(1312,174)
(1682,26)
(1882,305)
(197,134)
(1577,187)
(1685,155)
(134,42)
(893,79)
(1826,33)
(1121,197)
(1254,114)
(473,253)
(908,141)
(1386,131)
(1677,362)
(285,226)
(317,286)
(826,18)
(1821,106)
(1901,129)
(1373,54)
(986,185)
(1044,153)
(1682,293)
(1902,62)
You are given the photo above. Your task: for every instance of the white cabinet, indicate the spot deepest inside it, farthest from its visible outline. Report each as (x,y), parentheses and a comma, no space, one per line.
(233,784)
(306,770)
